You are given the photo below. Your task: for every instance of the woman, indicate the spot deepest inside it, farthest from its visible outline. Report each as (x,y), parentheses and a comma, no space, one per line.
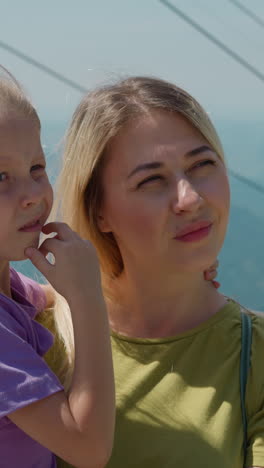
(144,179)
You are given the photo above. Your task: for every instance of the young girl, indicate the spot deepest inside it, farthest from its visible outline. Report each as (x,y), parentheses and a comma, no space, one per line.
(37,418)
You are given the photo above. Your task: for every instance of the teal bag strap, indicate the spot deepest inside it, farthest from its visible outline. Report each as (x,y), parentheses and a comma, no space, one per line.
(246,338)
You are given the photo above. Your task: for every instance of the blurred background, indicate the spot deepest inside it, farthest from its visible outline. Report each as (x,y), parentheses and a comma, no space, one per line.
(214,49)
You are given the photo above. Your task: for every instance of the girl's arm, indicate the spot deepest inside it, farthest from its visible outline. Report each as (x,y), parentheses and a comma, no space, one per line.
(79,426)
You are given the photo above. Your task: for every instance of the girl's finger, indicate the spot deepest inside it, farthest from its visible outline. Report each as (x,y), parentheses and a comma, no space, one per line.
(62,229)
(50,245)
(38,260)
(214,266)
(210,275)
(43,250)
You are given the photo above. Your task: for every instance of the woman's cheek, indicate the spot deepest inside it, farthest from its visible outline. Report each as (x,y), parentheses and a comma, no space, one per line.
(139,221)
(216,191)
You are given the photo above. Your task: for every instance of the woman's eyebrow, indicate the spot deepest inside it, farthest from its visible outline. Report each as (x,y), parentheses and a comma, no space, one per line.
(145,167)
(158,165)
(200,149)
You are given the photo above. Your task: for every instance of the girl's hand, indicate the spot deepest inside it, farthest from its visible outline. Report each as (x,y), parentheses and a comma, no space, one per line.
(211,274)
(76,266)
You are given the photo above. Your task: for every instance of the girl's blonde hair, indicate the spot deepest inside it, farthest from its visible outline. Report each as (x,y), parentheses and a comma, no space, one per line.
(100,116)
(13,98)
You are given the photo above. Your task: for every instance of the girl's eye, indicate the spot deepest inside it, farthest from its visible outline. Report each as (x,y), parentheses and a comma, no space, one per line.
(37,167)
(3,176)
(206,162)
(153,178)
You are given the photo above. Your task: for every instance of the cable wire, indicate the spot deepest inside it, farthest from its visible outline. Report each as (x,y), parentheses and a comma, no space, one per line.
(244,180)
(44,68)
(81,89)
(248,12)
(235,56)
(214,39)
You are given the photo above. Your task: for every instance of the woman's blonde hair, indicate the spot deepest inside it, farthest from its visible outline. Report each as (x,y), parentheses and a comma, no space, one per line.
(100,116)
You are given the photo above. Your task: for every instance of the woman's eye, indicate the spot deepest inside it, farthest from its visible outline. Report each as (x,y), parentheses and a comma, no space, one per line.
(207,162)
(153,178)
(3,176)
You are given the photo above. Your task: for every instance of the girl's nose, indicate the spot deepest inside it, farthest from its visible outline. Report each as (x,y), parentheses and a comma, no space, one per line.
(31,194)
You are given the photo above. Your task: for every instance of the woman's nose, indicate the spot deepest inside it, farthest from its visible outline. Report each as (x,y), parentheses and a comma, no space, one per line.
(186,197)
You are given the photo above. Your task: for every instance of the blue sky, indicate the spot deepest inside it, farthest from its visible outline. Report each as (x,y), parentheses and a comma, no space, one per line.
(96,41)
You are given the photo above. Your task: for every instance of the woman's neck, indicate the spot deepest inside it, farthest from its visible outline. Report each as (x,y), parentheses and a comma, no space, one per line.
(153,309)
(5,287)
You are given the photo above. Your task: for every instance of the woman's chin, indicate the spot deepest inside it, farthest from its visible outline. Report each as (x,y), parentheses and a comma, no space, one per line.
(197,263)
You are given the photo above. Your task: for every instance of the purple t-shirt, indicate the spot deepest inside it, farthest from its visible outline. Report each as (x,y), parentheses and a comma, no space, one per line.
(24,375)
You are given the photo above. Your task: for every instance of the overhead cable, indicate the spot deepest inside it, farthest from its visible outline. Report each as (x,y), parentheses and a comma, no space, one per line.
(81,89)
(44,68)
(235,56)
(250,183)
(213,39)
(248,12)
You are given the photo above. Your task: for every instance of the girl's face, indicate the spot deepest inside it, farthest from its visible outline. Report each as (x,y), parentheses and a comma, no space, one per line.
(25,192)
(166,196)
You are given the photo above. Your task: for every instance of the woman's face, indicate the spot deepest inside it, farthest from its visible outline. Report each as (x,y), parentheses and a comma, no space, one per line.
(166,195)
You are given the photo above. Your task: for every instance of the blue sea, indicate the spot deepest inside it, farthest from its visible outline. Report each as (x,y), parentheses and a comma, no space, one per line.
(241,271)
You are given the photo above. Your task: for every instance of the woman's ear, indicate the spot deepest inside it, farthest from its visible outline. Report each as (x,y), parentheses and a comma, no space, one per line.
(103,224)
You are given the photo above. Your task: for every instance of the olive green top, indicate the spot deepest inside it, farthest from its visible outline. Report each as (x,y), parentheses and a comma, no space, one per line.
(178,398)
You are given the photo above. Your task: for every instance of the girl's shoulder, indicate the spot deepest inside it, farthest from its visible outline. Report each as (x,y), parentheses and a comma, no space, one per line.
(15,317)
(18,327)
(28,290)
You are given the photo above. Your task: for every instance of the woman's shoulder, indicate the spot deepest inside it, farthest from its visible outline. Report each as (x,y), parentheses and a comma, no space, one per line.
(257,317)
(257,347)
(256,375)
(257,321)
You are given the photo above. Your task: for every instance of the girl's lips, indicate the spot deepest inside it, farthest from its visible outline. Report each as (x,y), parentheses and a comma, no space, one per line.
(196,234)
(35,226)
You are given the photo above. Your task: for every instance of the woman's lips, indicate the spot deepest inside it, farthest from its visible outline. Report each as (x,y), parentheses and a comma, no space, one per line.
(195,232)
